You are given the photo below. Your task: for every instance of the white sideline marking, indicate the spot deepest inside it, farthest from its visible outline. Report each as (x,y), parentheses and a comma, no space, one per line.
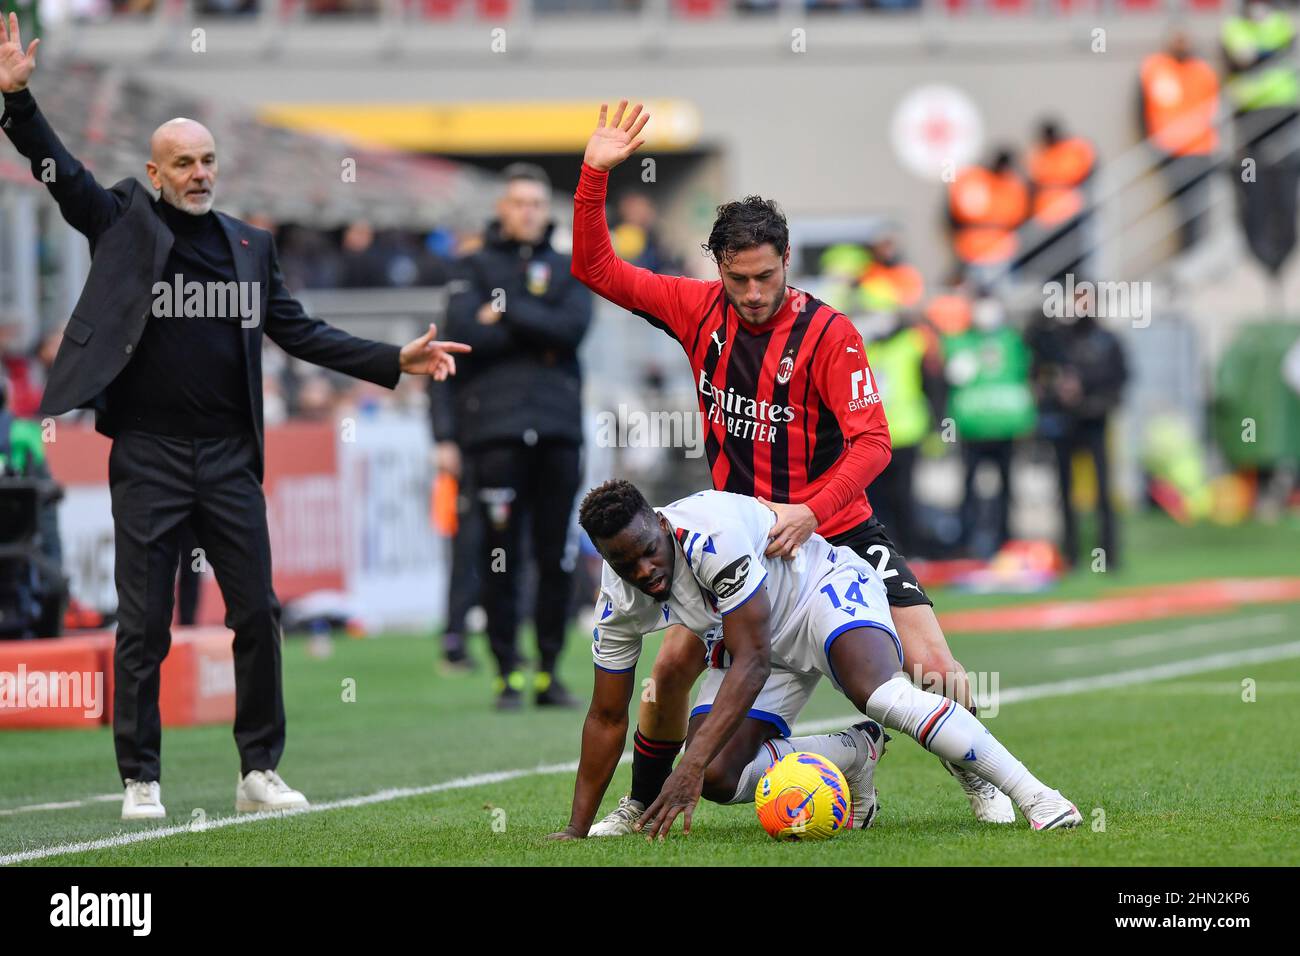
(1260,626)
(1077,685)
(64,805)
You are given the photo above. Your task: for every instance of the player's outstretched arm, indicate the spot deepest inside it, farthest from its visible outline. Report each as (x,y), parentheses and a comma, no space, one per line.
(747,637)
(603,734)
(611,143)
(669,301)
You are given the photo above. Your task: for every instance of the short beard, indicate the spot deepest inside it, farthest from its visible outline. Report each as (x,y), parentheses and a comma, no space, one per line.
(188,206)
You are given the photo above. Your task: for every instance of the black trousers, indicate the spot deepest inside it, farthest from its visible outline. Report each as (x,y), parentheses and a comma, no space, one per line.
(157,484)
(1090,436)
(526,486)
(893,498)
(973,454)
(465,586)
(1189,182)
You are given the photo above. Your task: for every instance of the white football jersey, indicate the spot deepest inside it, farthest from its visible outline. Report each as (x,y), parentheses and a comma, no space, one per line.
(720,540)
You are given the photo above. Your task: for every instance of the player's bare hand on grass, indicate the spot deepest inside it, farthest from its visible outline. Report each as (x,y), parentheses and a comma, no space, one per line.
(794,525)
(680,794)
(610,145)
(16,66)
(568,833)
(427,356)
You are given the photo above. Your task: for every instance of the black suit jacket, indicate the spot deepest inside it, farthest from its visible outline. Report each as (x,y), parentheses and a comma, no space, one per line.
(129,245)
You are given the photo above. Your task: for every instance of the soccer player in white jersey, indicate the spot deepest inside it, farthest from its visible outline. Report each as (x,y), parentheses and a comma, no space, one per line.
(772,628)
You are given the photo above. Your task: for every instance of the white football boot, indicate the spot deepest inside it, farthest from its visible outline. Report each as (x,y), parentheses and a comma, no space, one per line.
(865,805)
(987,802)
(143,801)
(264,790)
(620,821)
(1051,811)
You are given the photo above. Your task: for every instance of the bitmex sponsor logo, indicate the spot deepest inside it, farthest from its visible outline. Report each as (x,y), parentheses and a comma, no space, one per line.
(133,910)
(743,417)
(208,300)
(28,690)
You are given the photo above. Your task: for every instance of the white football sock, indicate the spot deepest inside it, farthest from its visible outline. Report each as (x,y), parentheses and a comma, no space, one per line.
(840,749)
(944,727)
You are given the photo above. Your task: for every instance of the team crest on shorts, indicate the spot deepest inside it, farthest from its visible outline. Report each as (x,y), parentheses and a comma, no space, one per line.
(785,370)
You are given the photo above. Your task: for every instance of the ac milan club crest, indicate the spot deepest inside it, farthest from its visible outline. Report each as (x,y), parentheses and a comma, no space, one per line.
(785,369)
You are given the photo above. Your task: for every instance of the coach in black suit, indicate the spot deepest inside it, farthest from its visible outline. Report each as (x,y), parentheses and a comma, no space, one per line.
(176,382)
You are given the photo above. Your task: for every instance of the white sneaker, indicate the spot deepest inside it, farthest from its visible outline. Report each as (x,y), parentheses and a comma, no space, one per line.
(620,821)
(987,802)
(1051,811)
(865,805)
(143,801)
(264,790)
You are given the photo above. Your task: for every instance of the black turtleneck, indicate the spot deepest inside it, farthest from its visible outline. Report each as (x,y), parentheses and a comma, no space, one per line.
(187,376)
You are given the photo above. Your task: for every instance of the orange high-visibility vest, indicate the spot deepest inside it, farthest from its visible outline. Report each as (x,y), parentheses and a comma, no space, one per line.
(904,280)
(950,313)
(987,207)
(1180,100)
(1057,172)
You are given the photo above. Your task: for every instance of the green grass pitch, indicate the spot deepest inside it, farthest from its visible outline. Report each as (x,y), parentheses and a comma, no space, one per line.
(1179,771)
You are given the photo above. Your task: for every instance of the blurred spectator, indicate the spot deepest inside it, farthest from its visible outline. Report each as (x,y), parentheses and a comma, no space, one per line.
(1179,106)
(27,373)
(949,312)
(1060,169)
(1264,90)
(986,206)
(896,352)
(991,405)
(841,267)
(1078,374)
(887,283)
(635,237)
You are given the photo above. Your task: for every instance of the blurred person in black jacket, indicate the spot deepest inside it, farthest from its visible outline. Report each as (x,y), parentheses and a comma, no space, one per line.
(518,420)
(1078,374)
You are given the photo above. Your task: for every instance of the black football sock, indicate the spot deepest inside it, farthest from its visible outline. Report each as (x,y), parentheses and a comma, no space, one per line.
(652,762)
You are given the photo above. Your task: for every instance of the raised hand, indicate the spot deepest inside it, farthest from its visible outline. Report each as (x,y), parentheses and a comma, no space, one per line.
(610,145)
(15,65)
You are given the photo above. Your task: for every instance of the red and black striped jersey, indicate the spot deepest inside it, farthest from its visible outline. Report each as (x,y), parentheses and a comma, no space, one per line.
(790,407)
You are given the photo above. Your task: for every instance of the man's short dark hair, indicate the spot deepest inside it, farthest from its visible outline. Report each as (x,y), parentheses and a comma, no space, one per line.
(609,508)
(746,224)
(527,171)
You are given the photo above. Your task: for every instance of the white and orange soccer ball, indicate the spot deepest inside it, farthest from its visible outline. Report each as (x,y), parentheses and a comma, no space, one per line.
(803,796)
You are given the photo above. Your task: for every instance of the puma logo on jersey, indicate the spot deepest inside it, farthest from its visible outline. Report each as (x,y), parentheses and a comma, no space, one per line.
(731,578)
(717,341)
(909,584)
(850,348)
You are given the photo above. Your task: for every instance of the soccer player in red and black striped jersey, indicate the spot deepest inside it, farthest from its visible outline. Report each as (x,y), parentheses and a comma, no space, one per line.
(792,417)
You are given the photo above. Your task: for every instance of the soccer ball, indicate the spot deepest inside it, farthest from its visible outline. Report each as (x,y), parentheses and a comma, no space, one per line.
(802,796)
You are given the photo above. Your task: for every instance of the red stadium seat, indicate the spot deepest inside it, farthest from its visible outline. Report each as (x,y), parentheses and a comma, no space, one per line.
(439,9)
(698,8)
(1204,5)
(492,9)
(1075,6)
(1010,6)
(1141,6)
